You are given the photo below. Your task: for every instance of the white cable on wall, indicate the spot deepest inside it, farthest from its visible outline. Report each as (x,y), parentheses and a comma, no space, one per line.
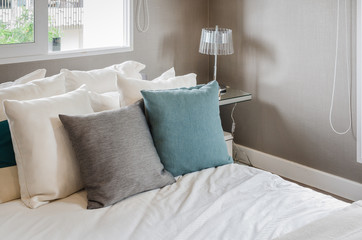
(146,16)
(335,74)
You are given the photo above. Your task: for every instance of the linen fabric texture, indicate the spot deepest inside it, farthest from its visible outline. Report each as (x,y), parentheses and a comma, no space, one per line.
(130,89)
(46,162)
(104,101)
(101,80)
(116,155)
(186,128)
(45,87)
(37,74)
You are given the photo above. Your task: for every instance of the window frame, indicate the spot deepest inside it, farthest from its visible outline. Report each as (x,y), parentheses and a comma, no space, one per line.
(38,51)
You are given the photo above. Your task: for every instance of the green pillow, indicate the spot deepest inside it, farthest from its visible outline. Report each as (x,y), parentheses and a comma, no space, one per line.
(7,156)
(186,128)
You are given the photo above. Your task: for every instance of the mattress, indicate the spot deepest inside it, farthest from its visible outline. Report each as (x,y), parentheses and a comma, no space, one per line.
(229,202)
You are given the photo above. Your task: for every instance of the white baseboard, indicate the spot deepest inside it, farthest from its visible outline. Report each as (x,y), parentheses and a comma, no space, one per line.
(315,178)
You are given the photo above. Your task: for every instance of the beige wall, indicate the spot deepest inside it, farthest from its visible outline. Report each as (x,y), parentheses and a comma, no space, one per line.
(172,40)
(284,56)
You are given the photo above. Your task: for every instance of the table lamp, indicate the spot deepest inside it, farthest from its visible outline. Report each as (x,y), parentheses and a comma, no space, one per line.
(216,41)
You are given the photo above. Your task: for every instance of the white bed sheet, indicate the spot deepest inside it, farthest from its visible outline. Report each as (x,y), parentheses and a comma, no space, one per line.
(228,202)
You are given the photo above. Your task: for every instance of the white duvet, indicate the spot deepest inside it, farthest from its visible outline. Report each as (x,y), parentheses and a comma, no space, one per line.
(228,202)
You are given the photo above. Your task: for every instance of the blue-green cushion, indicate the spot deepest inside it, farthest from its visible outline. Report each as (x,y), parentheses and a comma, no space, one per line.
(186,128)
(7,156)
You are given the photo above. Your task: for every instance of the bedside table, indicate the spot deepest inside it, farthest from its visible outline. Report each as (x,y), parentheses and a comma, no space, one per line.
(229,97)
(233,96)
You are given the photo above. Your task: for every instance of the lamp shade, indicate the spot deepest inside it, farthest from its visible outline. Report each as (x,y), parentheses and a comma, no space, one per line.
(216,41)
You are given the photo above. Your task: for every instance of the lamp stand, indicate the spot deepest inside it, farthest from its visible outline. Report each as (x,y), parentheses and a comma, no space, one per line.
(222,88)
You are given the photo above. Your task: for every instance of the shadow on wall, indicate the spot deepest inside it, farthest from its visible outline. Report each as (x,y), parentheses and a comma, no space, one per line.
(250,68)
(184,38)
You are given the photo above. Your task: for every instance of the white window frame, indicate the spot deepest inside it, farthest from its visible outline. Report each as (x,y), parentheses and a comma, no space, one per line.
(359,79)
(37,51)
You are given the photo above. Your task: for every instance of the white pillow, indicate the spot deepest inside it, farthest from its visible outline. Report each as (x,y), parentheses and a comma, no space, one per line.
(101,80)
(130,88)
(130,69)
(166,75)
(46,162)
(45,87)
(37,74)
(104,101)
(98,80)
(9,182)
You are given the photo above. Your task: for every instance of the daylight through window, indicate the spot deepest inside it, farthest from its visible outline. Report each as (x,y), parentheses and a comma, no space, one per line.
(58,27)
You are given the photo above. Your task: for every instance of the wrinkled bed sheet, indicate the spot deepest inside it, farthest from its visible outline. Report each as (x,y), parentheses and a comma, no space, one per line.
(228,202)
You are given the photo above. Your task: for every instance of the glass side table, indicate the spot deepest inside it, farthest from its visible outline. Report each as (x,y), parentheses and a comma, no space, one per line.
(233,96)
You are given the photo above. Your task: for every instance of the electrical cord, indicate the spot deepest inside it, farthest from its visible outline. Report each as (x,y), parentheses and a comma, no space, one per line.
(335,74)
(232,118)
(233,126)
(146,16)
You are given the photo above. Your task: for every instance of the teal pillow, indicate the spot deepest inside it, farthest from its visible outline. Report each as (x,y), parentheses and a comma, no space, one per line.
(186,128)
(7,156)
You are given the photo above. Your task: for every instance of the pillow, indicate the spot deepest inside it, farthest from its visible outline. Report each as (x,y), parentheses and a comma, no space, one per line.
(9,183)
(166,75)
(101,80)
(104,101)
(37,74)
(116,155)
(130,88)
(98,80)
(6,147)
(186,128)
(130,69)
(46,162)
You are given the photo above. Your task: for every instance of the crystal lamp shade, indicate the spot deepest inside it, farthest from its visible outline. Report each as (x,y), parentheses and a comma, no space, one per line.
(216,41)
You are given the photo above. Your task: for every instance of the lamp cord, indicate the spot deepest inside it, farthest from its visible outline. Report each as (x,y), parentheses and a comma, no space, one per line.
(233,126)
(232,118)
(146,16)
(335,74)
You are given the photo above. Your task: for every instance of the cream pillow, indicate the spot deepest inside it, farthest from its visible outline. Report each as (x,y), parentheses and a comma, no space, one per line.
(9,182)
(46,162)
(101,80)
(45,87)
(130,88)
(98,80)
(37,74)
(104,101)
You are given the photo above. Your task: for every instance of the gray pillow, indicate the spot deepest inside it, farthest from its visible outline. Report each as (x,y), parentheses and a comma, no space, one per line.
(116,154)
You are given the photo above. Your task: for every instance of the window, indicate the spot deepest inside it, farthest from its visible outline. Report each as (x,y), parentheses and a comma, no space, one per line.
(47,29)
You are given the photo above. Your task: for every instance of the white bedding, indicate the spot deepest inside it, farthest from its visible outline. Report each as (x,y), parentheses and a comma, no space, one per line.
(345,224)
(229,202)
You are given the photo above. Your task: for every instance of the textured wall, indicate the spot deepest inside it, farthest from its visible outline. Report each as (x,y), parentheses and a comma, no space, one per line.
(172,40)
(284,56)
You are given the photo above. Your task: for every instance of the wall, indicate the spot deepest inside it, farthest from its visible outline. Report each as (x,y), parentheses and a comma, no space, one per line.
(284,55)
(172,40)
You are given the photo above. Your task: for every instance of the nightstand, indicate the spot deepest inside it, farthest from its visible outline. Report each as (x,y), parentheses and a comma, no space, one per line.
(229,97)
(233,96)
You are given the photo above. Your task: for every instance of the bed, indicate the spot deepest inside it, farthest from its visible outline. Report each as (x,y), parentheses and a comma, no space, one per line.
(83,160)
(229,202)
